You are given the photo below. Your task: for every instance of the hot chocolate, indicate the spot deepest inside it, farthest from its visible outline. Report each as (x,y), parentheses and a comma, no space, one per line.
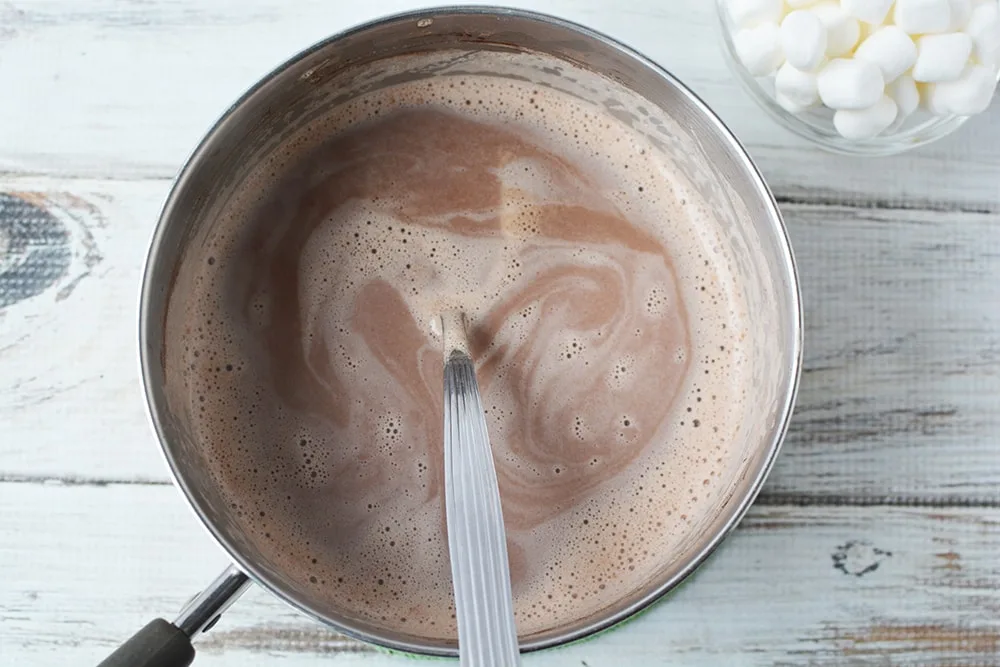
(604,319)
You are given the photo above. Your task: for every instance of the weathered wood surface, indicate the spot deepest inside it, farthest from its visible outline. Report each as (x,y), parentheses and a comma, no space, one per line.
(107,88)
(820,586)
(893,458)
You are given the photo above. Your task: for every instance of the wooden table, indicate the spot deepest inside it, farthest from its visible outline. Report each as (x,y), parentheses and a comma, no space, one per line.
(875,542)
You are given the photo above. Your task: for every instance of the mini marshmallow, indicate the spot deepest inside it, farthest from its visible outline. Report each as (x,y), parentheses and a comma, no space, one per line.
(869,11)
(867,123)
(984,29)
(961,12)
(748,13)
(904,93)
(803,39)
(850,84)
(759,48)
(796,86)
(966,96)
(918,17)
(891,49)
(788,105)
(842,31)
(941,57)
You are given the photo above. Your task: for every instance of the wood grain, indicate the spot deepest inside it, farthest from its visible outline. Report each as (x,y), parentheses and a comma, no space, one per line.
(111,89)
(818,586)
(900,396)
(899,399)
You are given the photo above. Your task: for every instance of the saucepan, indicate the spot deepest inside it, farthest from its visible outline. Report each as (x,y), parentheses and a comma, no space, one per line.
(697,141)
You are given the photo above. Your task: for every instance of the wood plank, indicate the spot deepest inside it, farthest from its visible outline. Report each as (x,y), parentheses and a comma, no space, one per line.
(111,89)
(69,384)
(84,566)
(899,399)
(900,393)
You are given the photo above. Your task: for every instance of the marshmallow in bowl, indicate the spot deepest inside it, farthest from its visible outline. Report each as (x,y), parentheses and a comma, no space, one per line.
(759,48)
(967,95)
(918,17)
(846,83)
(803,38)
(904,93)
(873,12)
(983,27)
(961,12)
(795,89)
(866,123)
(870,57)
(891,49)
(941,57)
(842,31)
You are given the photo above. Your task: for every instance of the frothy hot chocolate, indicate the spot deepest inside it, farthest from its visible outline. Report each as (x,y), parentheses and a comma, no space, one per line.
(603,319)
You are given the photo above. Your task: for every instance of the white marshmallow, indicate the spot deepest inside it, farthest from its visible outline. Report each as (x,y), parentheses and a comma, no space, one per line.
(803,39)
(759,48)
(918,17)
(904,93)
(961,12)
(788,105)
(891,49)
(869,11)
(850,84)
(968,95)
(984,28)
(799,4)
(748,13)
(842,31)
(796,86)
(941,57)
(867,123)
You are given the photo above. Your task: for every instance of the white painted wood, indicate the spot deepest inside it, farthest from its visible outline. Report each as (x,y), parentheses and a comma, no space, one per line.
(899,398)
(90,565)
(125,89)
(101,101)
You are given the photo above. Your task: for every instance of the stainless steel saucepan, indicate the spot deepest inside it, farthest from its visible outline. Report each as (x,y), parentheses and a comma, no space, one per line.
(319,77)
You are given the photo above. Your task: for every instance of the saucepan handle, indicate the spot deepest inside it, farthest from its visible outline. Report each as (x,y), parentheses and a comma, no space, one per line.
(164,644)
(159,644)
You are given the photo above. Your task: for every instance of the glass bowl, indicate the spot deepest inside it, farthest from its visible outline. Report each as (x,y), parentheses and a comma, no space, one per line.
(816,124)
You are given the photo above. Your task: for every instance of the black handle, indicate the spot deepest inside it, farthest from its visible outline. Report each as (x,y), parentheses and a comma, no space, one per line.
(163,644)
(159,644)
